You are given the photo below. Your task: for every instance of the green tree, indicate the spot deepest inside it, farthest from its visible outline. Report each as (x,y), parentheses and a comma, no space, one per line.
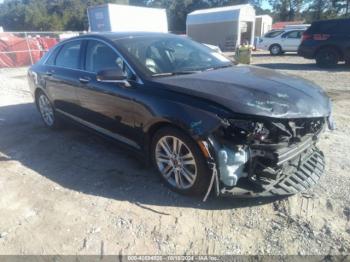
(287,10)
(51,15)
(327,9)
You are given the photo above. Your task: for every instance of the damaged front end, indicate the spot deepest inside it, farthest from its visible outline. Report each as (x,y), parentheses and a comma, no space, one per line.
(266,157)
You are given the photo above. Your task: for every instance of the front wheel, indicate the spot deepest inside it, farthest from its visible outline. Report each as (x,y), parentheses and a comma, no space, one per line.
(47,111)
(180,162)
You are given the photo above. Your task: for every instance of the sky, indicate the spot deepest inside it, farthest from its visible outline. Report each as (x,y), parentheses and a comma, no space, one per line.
(265,5)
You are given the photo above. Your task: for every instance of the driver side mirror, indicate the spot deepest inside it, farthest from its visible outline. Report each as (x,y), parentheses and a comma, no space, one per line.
(115,75)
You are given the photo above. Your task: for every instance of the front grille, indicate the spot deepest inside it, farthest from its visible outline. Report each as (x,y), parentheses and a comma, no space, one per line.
(300,176)
(285,154)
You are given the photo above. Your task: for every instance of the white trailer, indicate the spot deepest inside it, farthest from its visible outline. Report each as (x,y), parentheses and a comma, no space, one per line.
(226,27)
(263,24)
(124,18)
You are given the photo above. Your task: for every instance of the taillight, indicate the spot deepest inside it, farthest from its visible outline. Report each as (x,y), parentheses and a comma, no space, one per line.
(321,37)
(317,37)
(306,36)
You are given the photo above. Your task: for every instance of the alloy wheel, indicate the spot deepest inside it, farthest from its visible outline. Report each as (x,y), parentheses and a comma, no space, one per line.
(275,50)
(176,162)
(46,110)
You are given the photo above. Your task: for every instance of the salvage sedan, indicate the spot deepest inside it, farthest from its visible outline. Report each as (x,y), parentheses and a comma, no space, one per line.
(203,122)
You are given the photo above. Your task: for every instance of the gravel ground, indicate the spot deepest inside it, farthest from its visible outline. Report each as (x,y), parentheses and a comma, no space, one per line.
(72,192)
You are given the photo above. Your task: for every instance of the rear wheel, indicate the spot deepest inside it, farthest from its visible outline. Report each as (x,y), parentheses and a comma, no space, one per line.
(327,57)
(180,162)
(47,111)
(276,50)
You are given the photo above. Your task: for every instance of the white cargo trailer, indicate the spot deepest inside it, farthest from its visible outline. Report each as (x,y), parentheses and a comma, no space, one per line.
(263,24)
(226,27)
(123,18)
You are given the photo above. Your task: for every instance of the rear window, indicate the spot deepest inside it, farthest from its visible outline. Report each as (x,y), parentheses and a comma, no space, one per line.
(273,34)
(330,26)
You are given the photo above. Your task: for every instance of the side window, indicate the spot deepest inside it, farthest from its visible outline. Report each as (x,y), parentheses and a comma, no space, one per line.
(293,35)
(100,56)
(52,56)
(69,55)
(273,34)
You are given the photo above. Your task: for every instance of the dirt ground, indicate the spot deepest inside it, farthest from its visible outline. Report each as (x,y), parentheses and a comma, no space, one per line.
(72,192)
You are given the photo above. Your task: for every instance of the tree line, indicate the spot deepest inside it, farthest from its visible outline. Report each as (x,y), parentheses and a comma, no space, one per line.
(59,15)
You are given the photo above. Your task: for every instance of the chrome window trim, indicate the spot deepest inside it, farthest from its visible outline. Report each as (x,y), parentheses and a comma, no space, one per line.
(51,50)
(102,130)
(138,79)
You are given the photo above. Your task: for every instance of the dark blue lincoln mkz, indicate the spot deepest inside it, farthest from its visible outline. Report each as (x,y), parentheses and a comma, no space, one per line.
(199,119)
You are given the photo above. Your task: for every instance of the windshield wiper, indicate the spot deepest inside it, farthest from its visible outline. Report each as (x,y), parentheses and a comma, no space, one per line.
(218,67)
(190,71)
(176,73)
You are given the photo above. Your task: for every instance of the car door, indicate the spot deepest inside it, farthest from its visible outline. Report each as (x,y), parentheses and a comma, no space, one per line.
(106,107)
(61,76)
(291,40)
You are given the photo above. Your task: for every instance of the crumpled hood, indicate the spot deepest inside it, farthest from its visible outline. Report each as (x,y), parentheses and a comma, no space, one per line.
(255,91)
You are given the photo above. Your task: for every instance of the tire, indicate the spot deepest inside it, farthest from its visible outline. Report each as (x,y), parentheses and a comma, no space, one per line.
(275,50)
(47,111)
(186,172)
(327,57)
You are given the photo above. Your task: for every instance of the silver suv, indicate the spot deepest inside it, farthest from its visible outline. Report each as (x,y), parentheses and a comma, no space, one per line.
(281,41)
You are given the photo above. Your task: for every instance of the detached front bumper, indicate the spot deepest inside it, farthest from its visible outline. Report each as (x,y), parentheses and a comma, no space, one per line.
(297,176)
(295,170)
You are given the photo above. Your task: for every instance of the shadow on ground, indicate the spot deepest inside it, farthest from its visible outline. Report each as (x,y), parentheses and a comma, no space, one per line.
(84,162)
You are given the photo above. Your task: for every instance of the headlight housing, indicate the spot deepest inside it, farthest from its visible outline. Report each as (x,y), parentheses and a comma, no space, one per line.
(271,131)
(241,131)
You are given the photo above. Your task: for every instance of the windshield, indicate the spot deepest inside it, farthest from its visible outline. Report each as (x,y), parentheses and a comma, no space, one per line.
(169,55)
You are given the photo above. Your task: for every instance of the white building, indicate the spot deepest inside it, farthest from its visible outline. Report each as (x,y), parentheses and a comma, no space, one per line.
(226,27)
(263,24)
(124,18)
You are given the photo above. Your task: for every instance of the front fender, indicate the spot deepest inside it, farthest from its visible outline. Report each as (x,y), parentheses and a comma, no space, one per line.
(198,123)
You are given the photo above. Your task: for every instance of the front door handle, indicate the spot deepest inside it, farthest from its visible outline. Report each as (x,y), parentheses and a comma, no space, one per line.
(84,80)
(48,73)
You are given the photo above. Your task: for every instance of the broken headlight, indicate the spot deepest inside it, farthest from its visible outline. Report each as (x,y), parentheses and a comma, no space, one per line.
(272,132)
(246,131)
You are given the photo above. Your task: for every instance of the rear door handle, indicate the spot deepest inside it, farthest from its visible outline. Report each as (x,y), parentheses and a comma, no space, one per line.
(84,80)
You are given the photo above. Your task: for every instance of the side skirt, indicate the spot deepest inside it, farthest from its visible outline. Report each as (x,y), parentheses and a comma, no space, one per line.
(101,130)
